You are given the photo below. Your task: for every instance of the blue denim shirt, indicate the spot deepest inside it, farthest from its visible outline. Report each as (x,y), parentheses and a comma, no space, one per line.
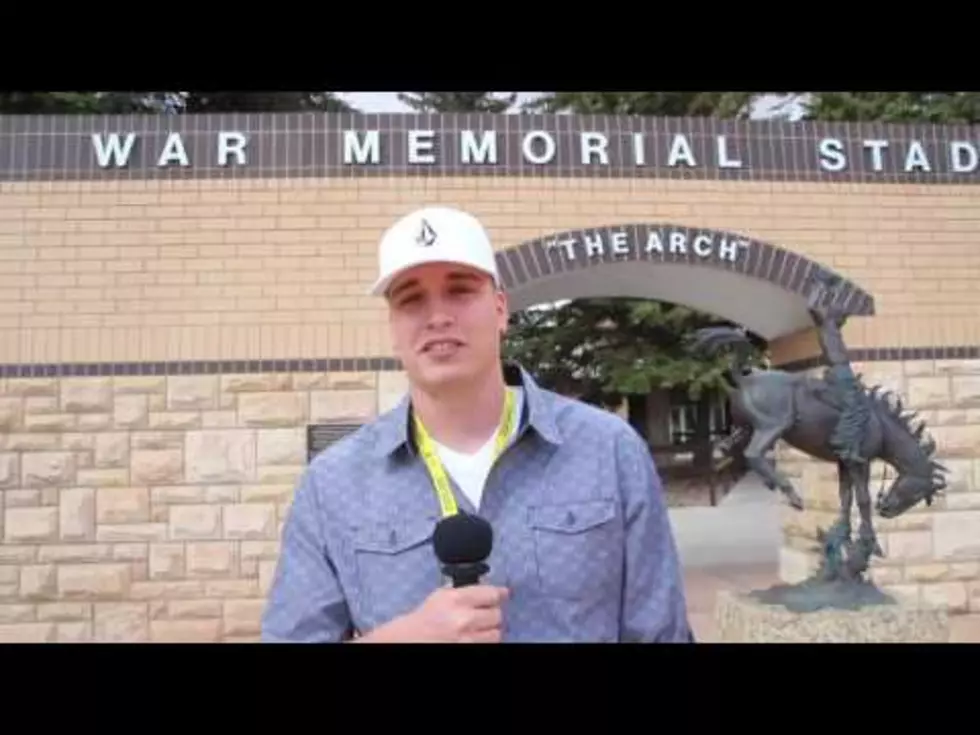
(581,534)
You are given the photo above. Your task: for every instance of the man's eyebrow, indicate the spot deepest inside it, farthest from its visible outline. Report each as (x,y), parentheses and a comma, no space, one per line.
(402,287)
(464,276)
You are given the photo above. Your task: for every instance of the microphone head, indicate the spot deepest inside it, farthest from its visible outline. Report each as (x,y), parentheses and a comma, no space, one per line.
(462,539)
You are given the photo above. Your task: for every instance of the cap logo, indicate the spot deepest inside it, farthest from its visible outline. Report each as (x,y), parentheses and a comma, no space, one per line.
(427,236)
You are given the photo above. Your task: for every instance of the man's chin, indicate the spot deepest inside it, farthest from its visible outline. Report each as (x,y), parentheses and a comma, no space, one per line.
(443,371)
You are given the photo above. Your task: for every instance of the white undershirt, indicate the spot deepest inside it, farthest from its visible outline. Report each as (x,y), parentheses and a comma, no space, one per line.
(470,470)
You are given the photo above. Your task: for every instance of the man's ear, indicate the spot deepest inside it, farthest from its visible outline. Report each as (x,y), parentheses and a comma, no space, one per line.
(503,309)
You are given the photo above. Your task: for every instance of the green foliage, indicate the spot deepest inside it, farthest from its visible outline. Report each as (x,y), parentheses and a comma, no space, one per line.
(894,107)
(458,101)
(71,103)
(104,103)
(663,104)
(263,102)
(603,350)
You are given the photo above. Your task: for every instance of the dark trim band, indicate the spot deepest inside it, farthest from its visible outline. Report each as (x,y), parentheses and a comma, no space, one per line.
(201,367)
(890,354)
(391,364)
(573,250)
(318,145)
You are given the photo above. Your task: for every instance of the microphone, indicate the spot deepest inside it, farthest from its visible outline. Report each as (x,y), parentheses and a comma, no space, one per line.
(462,544)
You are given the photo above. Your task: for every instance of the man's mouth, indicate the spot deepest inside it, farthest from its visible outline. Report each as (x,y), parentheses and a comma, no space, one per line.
(441,346)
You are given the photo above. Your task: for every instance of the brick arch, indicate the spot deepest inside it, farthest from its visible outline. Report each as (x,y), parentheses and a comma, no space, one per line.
(650,244)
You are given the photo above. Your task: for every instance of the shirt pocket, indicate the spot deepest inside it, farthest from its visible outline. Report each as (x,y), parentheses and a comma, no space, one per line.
(396,567)
(577,547)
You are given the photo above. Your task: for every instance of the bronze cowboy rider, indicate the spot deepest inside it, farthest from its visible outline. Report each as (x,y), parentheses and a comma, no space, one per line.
(846,390)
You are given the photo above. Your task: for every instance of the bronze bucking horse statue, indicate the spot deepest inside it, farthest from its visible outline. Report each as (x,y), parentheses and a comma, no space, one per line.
(834,418)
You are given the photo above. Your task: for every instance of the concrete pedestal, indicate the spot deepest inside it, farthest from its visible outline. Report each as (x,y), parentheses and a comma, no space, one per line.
(742,619)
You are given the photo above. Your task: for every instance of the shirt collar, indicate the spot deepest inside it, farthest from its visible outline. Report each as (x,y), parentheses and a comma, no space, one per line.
(392,429)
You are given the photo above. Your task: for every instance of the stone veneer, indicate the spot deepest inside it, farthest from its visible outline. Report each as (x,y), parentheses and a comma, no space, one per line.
(932,554)
(147,508)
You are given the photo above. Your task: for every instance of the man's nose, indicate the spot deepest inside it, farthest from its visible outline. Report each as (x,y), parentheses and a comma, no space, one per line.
(439,315)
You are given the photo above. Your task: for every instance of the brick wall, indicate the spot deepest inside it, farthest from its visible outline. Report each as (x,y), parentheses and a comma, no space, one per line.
(150,506)
(277,269)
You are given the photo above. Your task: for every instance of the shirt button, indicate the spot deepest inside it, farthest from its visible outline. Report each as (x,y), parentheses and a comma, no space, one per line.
(570,518)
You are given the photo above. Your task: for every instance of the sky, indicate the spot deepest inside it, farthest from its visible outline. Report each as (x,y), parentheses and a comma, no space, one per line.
(388,102)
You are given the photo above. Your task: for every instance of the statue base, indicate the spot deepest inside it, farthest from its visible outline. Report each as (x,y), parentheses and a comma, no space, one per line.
(833,612)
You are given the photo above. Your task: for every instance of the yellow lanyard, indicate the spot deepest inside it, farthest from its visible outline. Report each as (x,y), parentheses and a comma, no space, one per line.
(438,473)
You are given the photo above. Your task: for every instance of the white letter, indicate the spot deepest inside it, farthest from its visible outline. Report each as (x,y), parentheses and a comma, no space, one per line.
(469,151)
(831,148)
(654,242)
(594,143)
(678,243)
(566,243)
(420,140)
(730,250)
(619,244)
(638,152)
(678,149)
(702,245)
(876,147)
(173,150)
(593,244)
(955,149)
(104,152)
(916,157)
(353,150)
(549,147)
(231,143)
(723,160)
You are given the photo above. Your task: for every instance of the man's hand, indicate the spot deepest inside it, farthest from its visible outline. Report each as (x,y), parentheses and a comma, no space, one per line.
(464,615)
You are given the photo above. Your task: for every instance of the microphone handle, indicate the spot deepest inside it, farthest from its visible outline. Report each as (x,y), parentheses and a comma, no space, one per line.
(465,575)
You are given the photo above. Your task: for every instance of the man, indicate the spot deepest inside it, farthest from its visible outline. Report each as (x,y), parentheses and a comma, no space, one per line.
(582,545)
(845,387)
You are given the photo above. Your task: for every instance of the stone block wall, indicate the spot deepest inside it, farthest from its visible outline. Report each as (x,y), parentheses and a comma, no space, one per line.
(932,554)
(145,508)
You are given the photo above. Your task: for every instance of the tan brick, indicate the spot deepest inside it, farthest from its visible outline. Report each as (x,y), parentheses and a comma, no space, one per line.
(74,632)
(242,617)
(220,456)
(30,525)
(16,614)
(191,609)
(281,446)
(195,522)
(185,631)
(28,633)
(77,514)
(123,621)
(131,411)
(273,409)
(9,469)
(112,450)
(192,392)
(42,469)
(38,582)
(60,612)
(212,559)
(79,395)
(250,521)
(156,467)
(123,505)
(94,581)
(949,595)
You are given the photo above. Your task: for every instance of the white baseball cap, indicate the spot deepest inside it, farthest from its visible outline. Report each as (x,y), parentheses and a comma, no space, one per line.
(433,235)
